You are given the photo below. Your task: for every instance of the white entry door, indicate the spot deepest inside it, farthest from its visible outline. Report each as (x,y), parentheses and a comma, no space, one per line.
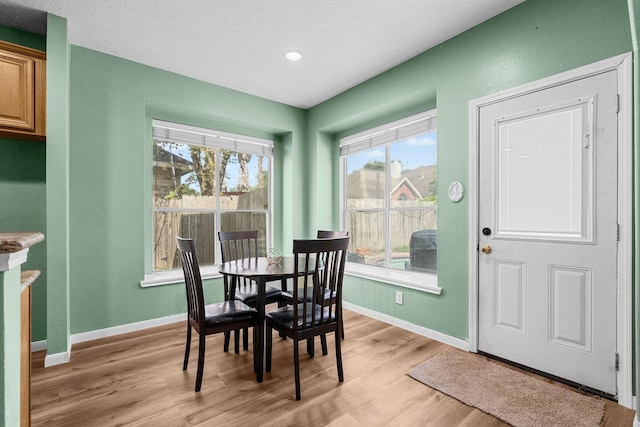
(548,230)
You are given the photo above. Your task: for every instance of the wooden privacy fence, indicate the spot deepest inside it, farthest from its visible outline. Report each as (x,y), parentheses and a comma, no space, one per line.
(367,228)
(180,217)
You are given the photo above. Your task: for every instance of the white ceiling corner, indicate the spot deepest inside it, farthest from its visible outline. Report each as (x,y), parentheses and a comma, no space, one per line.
(240,44)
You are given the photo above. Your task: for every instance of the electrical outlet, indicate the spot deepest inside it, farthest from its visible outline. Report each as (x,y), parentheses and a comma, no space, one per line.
(399,296)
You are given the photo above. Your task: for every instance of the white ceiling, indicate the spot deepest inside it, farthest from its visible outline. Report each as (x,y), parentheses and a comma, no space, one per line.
(240,44)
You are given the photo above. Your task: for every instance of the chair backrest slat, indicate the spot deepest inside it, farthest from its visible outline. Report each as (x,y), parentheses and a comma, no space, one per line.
(328,256)
(238,244)
(192,280)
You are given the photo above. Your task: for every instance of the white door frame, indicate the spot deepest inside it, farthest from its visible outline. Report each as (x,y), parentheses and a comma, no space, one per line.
(623,65)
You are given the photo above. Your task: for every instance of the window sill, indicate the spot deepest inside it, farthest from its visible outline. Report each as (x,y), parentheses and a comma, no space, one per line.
(169,277)
(418,281)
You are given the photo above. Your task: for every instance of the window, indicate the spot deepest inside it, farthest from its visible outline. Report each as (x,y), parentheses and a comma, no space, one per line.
(390,202)
(205,181)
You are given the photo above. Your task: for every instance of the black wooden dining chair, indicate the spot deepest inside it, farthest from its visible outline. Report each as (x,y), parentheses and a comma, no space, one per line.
(317,316)
(207,319)
(321,234)
(328,234)
(238,245)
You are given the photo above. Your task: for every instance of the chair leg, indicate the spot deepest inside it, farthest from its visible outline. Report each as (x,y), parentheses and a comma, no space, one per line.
(236,341)
(268,348)
(341,327)
(323,342)
(245,339)
(227,338)
(188,348)
(339,357)
(201,349)
(296,365)
(311,347)
(255,339)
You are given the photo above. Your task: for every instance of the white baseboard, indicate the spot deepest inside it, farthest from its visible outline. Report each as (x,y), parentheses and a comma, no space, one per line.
(38,345)
(420,330)
(123,329)
(636,421)
(59,358)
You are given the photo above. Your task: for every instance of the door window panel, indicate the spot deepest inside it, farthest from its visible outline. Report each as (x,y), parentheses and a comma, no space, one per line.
(543,174)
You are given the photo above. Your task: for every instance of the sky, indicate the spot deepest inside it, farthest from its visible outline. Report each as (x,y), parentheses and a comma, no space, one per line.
(412,153)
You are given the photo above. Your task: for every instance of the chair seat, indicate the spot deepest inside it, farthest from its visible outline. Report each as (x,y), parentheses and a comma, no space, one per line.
(248,294)
(301,297)
(227,312)
(285,316)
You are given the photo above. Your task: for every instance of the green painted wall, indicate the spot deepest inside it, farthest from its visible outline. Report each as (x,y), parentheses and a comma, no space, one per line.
(112,102)
(22,208)
(106,159)
(536,39)
(23,191)
(23,38)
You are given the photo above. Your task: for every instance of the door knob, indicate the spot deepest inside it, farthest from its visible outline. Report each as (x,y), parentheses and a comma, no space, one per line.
(486,249)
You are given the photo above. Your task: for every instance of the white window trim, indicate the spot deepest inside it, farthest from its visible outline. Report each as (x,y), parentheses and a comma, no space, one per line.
(381,135)
(169,277)
(192,135)
(424,282)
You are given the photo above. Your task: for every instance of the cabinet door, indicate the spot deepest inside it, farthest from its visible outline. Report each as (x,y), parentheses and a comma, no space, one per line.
(17,91)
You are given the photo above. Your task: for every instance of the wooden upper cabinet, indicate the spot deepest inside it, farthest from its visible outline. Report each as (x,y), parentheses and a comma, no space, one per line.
(22,92)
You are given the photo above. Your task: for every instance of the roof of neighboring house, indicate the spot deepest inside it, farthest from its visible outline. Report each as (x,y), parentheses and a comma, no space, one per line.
(369,183)
(164,158)
(405,182)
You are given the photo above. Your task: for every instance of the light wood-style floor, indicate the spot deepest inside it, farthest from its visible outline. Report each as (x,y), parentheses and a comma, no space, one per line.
(136,379)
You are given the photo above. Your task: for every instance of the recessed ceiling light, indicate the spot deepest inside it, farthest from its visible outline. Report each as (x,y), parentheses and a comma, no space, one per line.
(294,56)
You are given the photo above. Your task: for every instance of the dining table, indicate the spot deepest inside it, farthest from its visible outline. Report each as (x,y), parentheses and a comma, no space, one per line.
(261,271)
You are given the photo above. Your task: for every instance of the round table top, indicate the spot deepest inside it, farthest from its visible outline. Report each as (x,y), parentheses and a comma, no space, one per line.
(260,267)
